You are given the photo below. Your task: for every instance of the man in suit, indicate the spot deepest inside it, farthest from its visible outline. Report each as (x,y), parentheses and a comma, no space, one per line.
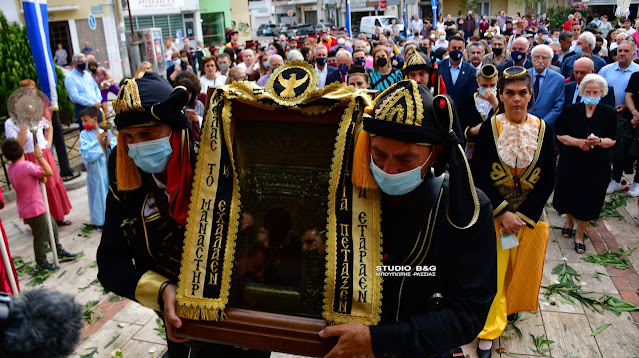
(518,55)
(585,44)
(343,59)
(459,77)
(323,70)
(565,41)
(548,87)
(583,66)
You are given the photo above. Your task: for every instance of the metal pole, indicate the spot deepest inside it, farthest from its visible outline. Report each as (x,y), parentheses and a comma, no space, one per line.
(54,249)
(7,265)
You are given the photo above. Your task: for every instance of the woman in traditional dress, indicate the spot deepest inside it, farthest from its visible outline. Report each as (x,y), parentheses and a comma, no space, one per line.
(478,107)
(514,164)
(586,131)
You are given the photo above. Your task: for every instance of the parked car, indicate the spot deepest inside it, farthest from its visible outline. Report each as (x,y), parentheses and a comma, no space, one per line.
(368,23)
(323,26)
(300,30)
(265,30)
(279,28)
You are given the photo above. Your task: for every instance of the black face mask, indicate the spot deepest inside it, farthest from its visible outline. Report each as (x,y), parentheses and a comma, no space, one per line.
(597,49)
(93,70)
(382,61)
(498,51)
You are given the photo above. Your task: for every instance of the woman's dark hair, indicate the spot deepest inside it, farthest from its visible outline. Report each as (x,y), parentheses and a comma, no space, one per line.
(189,80)
(280,50)
(503,82)
(11,149)
(92,63)
(359,71)
(305,50)
(229,51)
(205,60)
(188,56)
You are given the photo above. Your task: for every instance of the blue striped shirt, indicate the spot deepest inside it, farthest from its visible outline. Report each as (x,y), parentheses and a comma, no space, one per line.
(393,77)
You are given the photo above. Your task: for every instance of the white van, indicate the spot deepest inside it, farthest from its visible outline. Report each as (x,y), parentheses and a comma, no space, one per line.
(368,23)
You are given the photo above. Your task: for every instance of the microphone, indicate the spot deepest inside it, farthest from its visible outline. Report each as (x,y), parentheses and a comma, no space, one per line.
(39,323)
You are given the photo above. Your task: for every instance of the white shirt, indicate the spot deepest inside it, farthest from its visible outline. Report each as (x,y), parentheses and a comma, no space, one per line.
(440,27)
(630,31)
(244,67)
(321,74)
(11,130)
(440,43)
(219,80)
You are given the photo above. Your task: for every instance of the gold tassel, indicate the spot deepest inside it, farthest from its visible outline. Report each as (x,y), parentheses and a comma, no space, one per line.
(362,174)
(127,174)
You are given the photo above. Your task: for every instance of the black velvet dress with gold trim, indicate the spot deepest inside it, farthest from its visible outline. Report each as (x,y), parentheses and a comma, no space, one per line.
(417,233)
(489,172)
(582,177)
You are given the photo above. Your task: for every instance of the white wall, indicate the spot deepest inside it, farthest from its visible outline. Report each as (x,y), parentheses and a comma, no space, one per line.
(10,10)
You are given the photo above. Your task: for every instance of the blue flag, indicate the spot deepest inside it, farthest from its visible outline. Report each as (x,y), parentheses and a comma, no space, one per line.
(37,24)
(348,18)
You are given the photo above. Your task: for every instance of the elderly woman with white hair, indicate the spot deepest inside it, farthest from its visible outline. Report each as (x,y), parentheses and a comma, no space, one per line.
(586,131)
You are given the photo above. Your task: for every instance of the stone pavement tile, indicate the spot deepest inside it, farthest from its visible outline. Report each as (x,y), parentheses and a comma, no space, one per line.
(140,349)
(148,334)
(573,341)
(529,323)
(616,340)
(587,271)
(552,305)
(104,335)
(547,277)
(553,251)
(621,228)
(568,249)
(134,312)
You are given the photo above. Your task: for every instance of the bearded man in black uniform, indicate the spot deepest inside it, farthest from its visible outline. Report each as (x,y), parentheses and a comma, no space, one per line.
(429,219)
(147,205)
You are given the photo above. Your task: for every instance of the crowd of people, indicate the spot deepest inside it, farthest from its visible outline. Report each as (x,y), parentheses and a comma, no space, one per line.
(518,93)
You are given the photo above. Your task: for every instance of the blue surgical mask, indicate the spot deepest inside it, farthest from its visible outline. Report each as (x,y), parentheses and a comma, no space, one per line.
(592,101)
(401,183)
(401,49)
(265,63)
(360,62)
(343,68)
(152,156)
(442,38)
(555,57)
(368,49)
(483,89)
(578,50)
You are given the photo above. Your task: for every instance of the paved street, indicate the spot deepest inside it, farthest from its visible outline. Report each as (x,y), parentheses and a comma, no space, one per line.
(120,323)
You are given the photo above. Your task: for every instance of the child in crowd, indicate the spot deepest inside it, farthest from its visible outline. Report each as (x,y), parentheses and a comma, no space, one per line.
(94,144)
(26,177)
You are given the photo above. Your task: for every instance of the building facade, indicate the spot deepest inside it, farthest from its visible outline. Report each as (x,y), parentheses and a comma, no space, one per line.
(216,18)
(69,25)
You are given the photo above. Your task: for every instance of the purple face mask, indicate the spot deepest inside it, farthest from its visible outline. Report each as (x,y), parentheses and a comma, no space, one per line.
(271,51)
